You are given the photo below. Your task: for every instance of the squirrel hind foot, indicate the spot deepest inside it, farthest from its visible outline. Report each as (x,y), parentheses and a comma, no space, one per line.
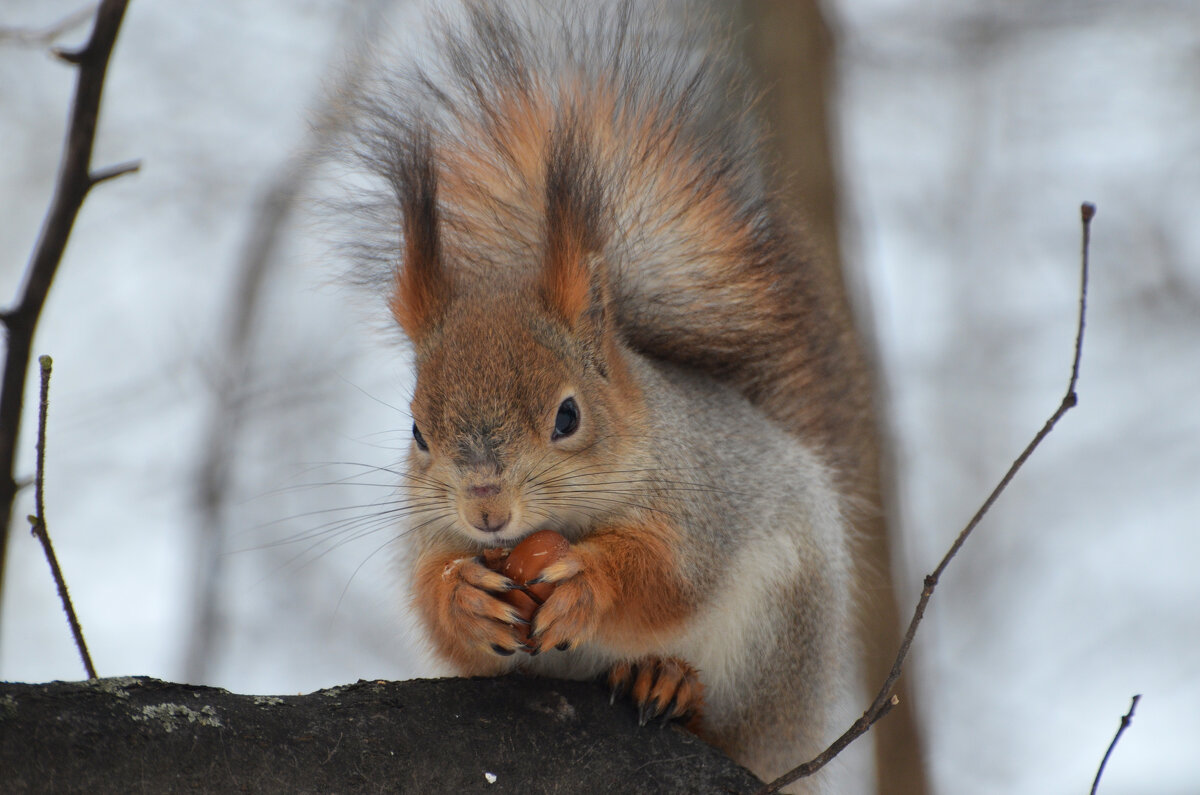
(666,688)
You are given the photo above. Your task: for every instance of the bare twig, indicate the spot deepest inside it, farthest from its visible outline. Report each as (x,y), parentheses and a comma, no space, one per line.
(1126,719)
(884,700)
(29,37)
(75,179)
(38,521)
(114,171)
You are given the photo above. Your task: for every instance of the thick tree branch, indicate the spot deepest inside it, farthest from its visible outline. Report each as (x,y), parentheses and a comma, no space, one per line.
(75,179)
(885,699)
(494,735)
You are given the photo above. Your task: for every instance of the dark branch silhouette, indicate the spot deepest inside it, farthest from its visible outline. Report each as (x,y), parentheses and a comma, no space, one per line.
(885,700)
(75,179)
(1126,719)
(38,520)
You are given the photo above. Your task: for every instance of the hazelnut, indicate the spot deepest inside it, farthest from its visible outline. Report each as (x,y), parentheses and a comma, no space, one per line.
(524,563)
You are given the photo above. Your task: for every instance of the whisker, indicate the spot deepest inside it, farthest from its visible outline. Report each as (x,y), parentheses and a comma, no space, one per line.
(602,502)
(393,504)
(354,574)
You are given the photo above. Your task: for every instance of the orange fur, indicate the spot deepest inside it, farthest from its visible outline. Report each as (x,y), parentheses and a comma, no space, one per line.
(465,622)
(662,687)
(566,282)
(422,288)
(419,296)
(618,337)
(620,586)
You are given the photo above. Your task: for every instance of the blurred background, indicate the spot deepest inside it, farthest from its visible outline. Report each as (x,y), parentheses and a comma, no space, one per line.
(225,409)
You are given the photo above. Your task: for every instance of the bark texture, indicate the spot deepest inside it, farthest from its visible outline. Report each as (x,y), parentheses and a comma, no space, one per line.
(509,734)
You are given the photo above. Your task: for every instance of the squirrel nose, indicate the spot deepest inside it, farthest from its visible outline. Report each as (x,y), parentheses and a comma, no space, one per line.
(484,508)
(491,523)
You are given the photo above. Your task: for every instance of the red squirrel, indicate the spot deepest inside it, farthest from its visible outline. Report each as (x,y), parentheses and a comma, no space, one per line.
(619,336)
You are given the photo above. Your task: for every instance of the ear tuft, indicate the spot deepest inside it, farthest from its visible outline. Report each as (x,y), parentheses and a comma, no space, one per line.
(422,287)
(571,281)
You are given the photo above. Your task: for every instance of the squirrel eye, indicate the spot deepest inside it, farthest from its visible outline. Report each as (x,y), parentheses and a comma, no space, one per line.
(567,420)
(420,440)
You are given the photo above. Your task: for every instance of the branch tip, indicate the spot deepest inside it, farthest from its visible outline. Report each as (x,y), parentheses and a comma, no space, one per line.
(1126,719)
(885,699)
(112,172)
(38,520)
(72,56)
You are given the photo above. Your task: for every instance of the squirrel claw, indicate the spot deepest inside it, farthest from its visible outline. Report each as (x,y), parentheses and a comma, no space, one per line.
(619,678)
(661,687)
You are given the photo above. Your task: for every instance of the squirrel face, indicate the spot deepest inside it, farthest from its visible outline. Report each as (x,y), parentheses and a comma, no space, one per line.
(516,419)
(523,407)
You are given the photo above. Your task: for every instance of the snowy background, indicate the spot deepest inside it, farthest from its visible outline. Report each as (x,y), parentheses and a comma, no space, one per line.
(970,132)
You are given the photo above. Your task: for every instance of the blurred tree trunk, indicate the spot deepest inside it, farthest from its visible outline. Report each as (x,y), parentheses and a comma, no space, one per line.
(237,384)
(792,50)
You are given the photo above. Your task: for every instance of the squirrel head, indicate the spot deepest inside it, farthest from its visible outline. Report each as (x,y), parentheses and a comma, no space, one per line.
(524,407)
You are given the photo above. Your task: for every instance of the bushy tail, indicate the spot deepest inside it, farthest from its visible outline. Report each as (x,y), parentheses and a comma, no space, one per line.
(703,268)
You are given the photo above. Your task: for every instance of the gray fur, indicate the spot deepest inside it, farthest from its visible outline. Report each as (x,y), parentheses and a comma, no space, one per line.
(767,554)
(765,549)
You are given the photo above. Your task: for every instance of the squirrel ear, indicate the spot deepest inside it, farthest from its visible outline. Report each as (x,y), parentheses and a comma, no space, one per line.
(573,285)
(422,287)
(572,281)
(575,290)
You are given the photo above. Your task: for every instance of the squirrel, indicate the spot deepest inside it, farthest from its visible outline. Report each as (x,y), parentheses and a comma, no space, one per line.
(618,335)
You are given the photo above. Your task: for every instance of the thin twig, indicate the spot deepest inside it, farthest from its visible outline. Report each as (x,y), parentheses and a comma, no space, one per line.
(884,700)
(29,37)
(38,521)
(74,182)
(114,171)
(1126,719)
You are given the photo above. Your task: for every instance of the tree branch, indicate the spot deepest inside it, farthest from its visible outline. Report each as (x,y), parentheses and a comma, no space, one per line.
(29,37)
(112,172)
(500,734)
(38,521)
(74,182)
(885,700)
(1126,719)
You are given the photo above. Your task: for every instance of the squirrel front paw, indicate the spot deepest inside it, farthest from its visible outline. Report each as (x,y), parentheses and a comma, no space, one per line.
(570,615)
(473,618)
(665,687)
